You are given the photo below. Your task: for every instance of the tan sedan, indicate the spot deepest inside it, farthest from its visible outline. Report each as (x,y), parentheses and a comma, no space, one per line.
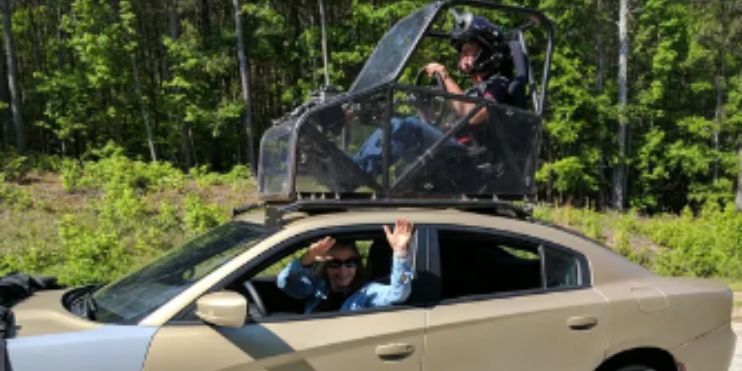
(489,292)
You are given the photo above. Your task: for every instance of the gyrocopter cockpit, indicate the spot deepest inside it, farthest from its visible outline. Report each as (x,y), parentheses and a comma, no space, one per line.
(448,105)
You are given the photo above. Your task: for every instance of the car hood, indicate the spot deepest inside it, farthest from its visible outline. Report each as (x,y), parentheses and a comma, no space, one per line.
(43,313)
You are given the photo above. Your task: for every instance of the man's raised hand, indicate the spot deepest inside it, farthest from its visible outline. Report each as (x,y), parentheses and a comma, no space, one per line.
(399,239)
(317,251)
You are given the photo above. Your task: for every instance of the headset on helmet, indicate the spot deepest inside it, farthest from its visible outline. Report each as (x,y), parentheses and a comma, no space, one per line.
(489,37)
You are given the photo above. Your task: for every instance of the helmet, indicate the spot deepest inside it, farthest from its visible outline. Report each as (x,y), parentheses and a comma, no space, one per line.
(489,37)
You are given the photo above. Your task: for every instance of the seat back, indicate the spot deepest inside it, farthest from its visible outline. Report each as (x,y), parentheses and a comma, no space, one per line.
(379,261)
(521,83)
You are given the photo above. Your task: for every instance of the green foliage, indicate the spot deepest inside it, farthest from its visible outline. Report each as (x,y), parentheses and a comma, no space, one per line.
(14,167)
(239,175)
(12,196)
(709,244)
(199,217)
(568,175)
(704,245)
(89,255)
(113,170)
(133,212)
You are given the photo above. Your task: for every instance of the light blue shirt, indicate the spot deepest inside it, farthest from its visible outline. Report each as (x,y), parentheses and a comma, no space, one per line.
(302,283)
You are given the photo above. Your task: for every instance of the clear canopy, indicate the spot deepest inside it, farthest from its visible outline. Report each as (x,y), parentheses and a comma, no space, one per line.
(402,141)
(385,139)
(394,48)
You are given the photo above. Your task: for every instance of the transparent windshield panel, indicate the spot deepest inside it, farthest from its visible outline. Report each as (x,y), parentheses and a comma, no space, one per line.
(133,297)
(427,147)
(446,145)
(330,141)
(274,170)
(393,49)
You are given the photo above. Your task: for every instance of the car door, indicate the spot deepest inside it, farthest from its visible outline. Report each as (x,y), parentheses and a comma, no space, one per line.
(511,303)
(388,338)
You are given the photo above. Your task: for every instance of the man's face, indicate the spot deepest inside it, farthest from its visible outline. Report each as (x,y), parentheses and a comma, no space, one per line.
(467,56)
(341,270)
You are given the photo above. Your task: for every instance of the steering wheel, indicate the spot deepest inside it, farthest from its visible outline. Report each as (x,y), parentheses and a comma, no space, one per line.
(255,298)
(430,107)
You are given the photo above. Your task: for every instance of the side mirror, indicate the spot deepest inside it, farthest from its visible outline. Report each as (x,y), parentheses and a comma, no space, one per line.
(223,308)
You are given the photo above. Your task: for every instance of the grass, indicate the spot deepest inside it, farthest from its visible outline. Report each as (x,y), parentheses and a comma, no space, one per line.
(735,285)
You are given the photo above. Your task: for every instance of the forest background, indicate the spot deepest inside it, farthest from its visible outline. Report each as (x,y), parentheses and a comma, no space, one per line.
(127,126)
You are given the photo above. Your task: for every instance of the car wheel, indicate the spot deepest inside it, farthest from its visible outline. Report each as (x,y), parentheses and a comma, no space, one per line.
(636,368)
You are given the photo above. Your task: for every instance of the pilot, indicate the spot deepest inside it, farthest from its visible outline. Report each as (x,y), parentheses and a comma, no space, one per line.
(329,276)
(485,57)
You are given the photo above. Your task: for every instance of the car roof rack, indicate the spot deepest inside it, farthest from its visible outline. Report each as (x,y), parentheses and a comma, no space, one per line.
(275,213)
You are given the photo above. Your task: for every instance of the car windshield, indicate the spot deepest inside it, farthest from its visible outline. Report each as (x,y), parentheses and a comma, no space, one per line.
(133,297)
(392,51)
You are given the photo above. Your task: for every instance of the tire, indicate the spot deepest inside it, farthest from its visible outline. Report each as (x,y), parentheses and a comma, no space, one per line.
(636,367)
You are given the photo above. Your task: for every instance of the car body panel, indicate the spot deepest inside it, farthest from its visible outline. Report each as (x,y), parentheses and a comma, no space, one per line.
(111,348)
(522,332)
(699,305)
(711,351)
(43,313)
(310,343)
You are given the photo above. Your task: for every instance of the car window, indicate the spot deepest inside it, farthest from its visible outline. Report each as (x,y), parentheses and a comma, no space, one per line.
(475,264)
(562,269)
(481,263)
(132,297)
(375,266)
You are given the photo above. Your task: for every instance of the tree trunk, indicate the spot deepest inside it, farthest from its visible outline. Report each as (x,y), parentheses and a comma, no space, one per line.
(4,98)
(245,82)
(185,132)
(143,108)
(15,94)
(600,75)
(718,117)
(619,172)
(739,174)
(324,43)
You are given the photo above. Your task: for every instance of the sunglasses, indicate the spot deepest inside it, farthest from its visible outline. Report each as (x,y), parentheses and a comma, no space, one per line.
(348,263)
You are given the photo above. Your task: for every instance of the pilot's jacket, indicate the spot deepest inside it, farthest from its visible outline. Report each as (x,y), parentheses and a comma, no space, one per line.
(303,283)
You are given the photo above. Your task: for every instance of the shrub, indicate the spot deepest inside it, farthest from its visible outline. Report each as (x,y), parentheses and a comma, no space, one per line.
(11,196)
(89,255)
(14,167)
(111,168)
(199,217)
(204,178)
(709,244)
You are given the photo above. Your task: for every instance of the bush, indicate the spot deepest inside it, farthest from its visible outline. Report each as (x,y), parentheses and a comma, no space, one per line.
(89,255)
(204,178)
(199,217)
(11,196)
(127,213)
(704,245)
(111,168)
(14,167)
(709,244)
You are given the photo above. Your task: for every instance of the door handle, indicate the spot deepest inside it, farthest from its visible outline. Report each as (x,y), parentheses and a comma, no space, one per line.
(395,351)
(582,322)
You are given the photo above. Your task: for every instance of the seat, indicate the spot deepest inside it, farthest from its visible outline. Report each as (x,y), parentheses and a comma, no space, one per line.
(379,261)
(520,84)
